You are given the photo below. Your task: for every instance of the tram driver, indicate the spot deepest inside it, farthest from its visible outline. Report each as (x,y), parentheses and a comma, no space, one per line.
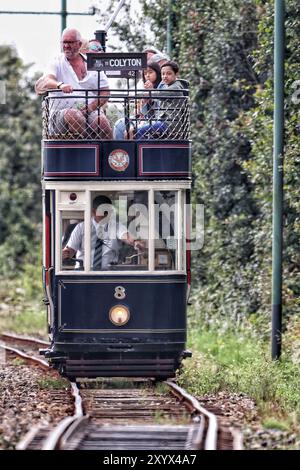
(68,72)
(107,236)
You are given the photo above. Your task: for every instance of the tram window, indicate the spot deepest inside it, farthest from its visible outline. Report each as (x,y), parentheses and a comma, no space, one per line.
(118,219)
(166,224)
(72,248)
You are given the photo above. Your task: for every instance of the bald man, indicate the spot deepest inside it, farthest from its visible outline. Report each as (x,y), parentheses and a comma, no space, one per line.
(68,72)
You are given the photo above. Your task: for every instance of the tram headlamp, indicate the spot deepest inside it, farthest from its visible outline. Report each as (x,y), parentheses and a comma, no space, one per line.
(119,315)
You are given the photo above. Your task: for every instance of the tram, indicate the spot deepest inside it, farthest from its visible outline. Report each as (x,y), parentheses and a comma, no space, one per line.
(126,317)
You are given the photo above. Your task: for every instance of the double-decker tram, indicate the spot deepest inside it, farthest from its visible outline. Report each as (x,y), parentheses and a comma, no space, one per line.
(116,221)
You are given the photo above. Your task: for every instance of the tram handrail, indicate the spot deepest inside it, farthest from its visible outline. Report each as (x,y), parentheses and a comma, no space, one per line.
(147,114)
(117,93)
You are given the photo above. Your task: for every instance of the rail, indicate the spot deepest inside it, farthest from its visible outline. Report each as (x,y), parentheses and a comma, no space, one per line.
(53,440)
(23,340)
(30,359)
(195,407)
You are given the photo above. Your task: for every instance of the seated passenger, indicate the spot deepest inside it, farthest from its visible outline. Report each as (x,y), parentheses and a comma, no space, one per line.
(106,237)
(168,113)
(160,59)
(67,73)
(154,55)
(92,45)
(151,79)
(150,51)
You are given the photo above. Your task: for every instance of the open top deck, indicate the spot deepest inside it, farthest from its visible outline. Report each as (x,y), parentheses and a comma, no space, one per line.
(136,134)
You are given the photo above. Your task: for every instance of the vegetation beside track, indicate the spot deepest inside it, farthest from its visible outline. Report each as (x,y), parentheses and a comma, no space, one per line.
(232,359)
(21,308)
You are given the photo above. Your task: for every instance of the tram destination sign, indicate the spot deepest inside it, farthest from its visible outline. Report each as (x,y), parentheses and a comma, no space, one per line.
(116,64)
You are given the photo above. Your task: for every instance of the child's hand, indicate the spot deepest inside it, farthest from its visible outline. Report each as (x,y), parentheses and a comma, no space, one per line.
(148,84)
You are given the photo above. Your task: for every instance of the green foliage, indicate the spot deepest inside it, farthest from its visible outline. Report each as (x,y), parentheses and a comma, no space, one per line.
(51,383)
(238,361)
(258,126)
(272,423)
(225,50)
(20,133)
(21,307)
(161,387)
(31,320)
(291,342)
(31,279)
(17,361)
(223,39)
(214,42)
(132,27)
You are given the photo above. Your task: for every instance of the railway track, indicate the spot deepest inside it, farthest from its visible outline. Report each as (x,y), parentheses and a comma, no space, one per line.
(139,418)
(29,351)
(128,415)
(24,341)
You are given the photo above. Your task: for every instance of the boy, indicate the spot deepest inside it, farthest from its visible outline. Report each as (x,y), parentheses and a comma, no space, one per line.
(170,110)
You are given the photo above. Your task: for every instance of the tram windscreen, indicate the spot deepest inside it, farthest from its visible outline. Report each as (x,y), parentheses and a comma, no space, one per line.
(119,231)
(120,234)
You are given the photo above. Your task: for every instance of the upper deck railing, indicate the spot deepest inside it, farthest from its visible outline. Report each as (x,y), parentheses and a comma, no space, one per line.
(136,114)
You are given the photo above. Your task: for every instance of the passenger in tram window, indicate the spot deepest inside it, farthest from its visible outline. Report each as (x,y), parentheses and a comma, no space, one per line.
(107,236)
(168,113)
(145,107)
(68,111)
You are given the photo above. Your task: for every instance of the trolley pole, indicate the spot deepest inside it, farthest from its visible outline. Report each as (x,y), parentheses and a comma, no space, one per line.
(278,160)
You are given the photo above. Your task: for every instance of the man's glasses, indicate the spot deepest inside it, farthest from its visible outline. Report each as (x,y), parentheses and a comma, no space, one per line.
(68,42)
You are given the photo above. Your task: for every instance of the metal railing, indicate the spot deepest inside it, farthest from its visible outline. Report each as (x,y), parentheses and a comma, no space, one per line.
(125,115)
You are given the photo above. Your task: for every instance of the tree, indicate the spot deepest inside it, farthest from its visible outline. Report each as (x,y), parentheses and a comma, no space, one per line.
(20,195)
(258,124)
(213,42)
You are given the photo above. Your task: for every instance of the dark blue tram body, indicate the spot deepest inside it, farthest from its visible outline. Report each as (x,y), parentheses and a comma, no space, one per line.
(128,319)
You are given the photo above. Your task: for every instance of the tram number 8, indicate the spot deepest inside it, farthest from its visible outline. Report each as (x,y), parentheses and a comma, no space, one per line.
(120,292)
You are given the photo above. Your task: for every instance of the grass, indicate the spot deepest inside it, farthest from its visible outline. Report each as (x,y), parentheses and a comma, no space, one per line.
(237,361)
(115,383)
(161,388)
(29,321)
(51,383)
(21,307)
(273,423)
(18,362)
(161,418)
